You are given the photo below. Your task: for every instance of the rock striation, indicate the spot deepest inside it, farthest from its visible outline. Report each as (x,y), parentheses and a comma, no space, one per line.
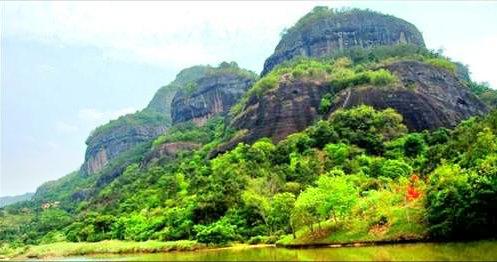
(216,90)
(116,138)
(324,32)
(161,102)
(428,97)
(279,112)
(214,93)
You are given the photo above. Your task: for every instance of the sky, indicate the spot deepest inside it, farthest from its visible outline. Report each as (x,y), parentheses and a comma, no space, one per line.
(67,67)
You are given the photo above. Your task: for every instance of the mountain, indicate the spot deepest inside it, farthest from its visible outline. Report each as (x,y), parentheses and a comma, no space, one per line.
(214,93)
(222,85)
(326,31)
(8,200)
(427,96)
(353,132)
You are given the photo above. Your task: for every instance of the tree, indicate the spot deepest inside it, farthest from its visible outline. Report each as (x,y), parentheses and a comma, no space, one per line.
(414,145)
(306,211)
(339,195)
(322,133)
(282,205)
(368,128)
(395,168)
(220,232)
(337,153)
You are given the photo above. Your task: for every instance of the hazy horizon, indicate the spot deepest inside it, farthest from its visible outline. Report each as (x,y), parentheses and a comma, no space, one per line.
(69,67)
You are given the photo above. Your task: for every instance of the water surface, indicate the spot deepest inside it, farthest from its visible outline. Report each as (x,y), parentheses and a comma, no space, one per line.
(481,250)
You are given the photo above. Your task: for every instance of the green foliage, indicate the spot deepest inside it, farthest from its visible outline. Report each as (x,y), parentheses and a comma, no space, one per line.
(367,127)
(414,145)
(279,213)
(442,63)
(484,92)
(129,121)
(381,77)
(316,14)
(220,232)
(325,103)
(395,168)
(189,132)
(356,176)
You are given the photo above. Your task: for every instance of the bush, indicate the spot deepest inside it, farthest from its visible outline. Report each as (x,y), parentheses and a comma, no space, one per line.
(461,203)
(325,103)
(395,168)
(442,63)
(220,232)
(414,145)
(262,240)
(381,77)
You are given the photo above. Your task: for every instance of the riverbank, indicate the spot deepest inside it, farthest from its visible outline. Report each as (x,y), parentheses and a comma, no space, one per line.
(446,251)
(65,249)
(113,247)
(356,233)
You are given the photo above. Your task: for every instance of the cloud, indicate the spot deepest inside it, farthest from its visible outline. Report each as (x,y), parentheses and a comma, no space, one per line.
(480,54)
(65,128)
(167,34)
(97,117)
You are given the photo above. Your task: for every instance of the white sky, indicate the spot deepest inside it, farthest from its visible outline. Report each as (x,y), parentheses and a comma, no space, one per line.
(74,65)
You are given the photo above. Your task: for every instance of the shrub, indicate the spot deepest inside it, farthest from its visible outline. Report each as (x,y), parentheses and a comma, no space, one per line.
(220,232)
(381,77)
(395,168)
(325,103)
(442,63)
(262,240)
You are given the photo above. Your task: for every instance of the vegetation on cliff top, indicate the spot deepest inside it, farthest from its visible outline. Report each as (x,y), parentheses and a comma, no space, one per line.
(347,68)
(319,13)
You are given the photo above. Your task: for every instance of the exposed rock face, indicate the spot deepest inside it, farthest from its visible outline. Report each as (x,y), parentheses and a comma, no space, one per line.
(282,111)
(161,102)
(428,97)
(105,146)
(214,94)
(334,32)
(127,132)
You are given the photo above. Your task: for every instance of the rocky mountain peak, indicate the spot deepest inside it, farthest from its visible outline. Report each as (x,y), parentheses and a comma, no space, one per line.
(324,31)
(213,93)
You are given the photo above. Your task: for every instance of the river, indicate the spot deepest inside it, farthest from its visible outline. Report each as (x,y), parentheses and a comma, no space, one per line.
(481,250)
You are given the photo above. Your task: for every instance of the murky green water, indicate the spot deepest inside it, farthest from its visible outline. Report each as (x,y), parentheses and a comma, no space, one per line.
(482,250)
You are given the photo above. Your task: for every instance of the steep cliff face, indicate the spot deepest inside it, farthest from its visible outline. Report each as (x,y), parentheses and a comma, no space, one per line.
(118,136)
(279,112)
(428,97)
(323,32)
(109,141)
(196,94)
(211,94)
(161,102)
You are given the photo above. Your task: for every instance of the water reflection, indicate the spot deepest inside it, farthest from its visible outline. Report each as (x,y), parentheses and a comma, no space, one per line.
(482,250)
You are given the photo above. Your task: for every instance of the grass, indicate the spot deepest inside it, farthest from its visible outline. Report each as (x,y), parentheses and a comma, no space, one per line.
(63,249)
(405,222)
(356,231)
